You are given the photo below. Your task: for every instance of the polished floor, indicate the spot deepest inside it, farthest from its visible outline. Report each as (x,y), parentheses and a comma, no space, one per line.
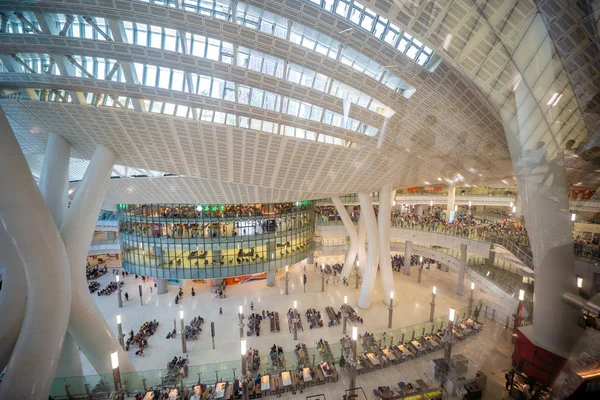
(412,308)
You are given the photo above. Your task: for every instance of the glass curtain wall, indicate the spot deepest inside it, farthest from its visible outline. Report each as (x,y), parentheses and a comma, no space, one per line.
(183,241)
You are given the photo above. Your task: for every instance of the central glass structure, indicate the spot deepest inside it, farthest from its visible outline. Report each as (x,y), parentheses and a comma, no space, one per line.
(200,241)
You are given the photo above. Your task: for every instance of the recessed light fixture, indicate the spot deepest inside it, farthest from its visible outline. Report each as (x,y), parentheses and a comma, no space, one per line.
(552,99)
(447,41)
(557,100)
(427,183)
(440,179)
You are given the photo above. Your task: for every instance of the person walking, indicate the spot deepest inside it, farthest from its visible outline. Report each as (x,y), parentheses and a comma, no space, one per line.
(126,296)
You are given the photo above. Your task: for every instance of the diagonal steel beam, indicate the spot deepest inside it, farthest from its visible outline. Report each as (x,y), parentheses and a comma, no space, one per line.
(91,22)
(28,23)
(118,31)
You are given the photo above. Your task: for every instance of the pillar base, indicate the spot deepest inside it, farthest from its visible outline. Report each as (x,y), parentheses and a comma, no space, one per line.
(535,361)
(271,278)
(162,286)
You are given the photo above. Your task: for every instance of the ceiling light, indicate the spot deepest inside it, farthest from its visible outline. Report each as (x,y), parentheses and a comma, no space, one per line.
(427,183)
(345,30)
(516,84)
(440,179)
(557,100)
(71,191)
(480,174)
(447,41)
(552,98)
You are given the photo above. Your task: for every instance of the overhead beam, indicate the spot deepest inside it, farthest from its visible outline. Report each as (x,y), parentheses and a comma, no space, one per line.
(24,20)
(48,26)
(12,66)
(91,22)
(129,72)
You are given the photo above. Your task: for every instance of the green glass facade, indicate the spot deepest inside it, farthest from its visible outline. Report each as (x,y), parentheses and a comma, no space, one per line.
(201,241)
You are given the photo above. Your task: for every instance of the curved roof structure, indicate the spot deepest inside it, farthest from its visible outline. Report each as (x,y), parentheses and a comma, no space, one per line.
(276,101)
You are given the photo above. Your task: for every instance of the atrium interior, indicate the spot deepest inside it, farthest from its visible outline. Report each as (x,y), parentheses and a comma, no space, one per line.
(409,187)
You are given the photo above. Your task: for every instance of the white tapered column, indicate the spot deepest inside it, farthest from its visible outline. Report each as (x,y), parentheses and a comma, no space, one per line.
(87,325)
(362,236)
(407,257)
(54,179)
(54,186)
(385,223)
(27,226)
(541,178)
(451,199)
(12,301)
(462,269)
(370,273)
(352,234)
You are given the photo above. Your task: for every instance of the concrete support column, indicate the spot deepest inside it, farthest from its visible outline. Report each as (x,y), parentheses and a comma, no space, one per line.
(462,269)
(541,179)
(451,199)
(370,273)
(419,210)
(491,258)
(384,224)
(13,298)
(362,236)
(310,258)
(27,228)
(86,324)
(54,186)
(162,286)
(518,208)
(54,179)
(351,231)
(407,257)
(271,278)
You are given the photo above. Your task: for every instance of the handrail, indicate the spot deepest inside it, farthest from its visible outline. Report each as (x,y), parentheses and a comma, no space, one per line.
(210,374)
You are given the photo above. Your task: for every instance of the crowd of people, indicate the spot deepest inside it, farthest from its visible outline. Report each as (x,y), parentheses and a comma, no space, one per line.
(95,272)
(93,286)
(254,323)
(140,339)
(194,328)
(110,288)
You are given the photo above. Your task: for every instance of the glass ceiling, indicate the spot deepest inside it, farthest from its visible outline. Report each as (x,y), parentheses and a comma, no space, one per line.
(204,85)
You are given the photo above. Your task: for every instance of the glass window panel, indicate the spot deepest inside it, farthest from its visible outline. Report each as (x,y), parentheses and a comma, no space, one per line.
(367,22)
(150,76)
(412,51)
(231,120)
(170,39)
(293,107)
(155,37)
(219,117)
(169,109)
(244,122)
(218,86)
(257,98)
(255,124)
(305,110)
(177,83)
(207,115)
(156,106)
(243,94)
(164,78)
(182,111)
(204,85)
